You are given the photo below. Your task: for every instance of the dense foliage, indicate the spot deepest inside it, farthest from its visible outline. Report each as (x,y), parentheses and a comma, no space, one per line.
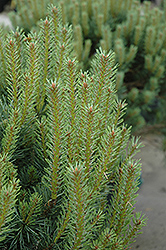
(67,167)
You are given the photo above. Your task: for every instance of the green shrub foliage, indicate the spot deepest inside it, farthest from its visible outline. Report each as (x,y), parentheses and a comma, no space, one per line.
(67,167)
(135,32)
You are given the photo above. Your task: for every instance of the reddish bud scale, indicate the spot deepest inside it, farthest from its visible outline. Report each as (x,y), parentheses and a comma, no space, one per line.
(124,129)
(54,9)
(85,85)
(82,75)
(69,61)
(53,85)
(46,21)
(11,42)
(76,171)
(90,109)
(113,133)
(11,128)
(32,45)
(16,33)
(109,90)
(27,39)
(64,30)
(138,222)
(96,247)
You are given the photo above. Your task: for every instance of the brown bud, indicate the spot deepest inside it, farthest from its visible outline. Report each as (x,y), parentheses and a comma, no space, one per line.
(82,75)
(64,30)
(11,42)
(124,129)
(113,132)
(138,222)
(54,9)
(53,85)
(46,21)
(27,39)
(109,90)
(32,45)
(85,85)
(90,109)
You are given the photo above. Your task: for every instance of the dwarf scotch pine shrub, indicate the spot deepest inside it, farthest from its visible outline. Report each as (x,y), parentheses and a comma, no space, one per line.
(68,176)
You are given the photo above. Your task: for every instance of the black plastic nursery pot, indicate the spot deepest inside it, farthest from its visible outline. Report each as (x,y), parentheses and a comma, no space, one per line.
(2,4)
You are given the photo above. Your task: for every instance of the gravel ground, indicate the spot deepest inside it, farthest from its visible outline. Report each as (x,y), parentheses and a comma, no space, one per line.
(152,194)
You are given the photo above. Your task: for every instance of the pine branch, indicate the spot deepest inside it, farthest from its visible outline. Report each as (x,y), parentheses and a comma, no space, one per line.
(56,122)
(86,218)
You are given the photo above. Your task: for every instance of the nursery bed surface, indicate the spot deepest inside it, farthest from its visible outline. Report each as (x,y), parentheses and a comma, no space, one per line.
(152,194)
